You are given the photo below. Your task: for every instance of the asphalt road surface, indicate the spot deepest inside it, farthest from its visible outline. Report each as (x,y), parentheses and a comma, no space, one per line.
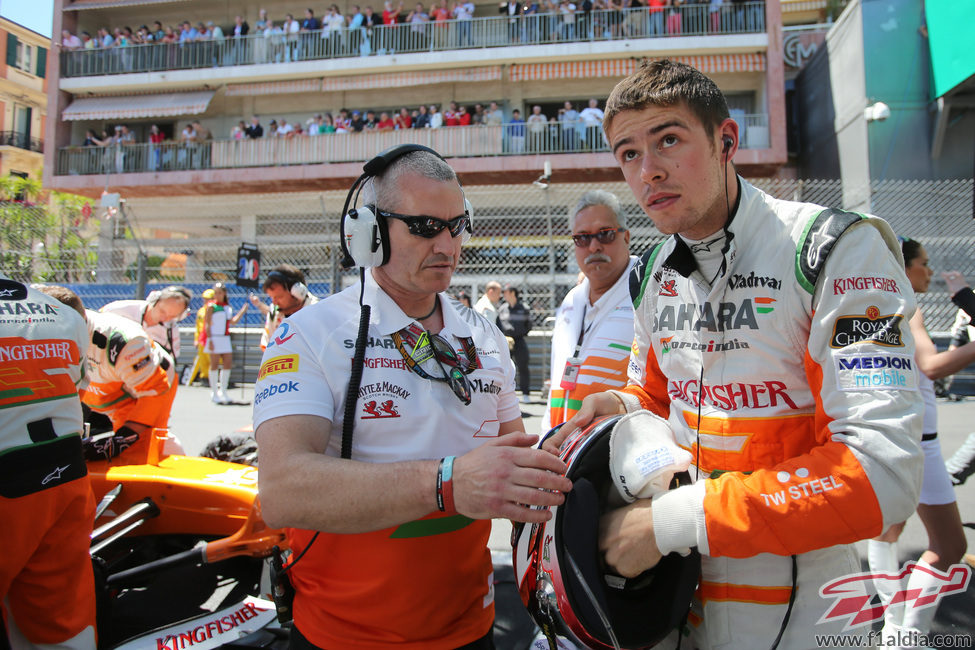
(197,421)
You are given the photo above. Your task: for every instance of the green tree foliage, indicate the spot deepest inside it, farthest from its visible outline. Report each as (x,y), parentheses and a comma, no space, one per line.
(44,241)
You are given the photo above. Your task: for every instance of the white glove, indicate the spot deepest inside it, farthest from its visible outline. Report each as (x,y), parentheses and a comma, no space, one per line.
(643,456)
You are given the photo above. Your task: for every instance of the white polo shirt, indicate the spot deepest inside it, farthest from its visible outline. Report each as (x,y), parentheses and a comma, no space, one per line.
(399,415)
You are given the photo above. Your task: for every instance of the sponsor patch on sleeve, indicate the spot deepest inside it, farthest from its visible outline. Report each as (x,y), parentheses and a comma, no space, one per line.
(870,326)
(878,371)
(278,365)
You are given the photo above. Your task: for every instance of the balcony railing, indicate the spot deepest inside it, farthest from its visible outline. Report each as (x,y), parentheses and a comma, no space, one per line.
(21,141)
(502,31)
(511,139)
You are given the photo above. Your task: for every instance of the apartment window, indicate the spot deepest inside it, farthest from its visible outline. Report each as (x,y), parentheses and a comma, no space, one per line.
(24,56)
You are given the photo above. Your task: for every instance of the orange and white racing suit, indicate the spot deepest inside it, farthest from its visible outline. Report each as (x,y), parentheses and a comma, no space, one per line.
(790,378)
(596,339)
(132,379)
(47,591)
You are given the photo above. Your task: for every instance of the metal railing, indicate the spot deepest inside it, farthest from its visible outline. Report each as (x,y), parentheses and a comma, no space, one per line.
(537,29)
(21,141)
(511,139)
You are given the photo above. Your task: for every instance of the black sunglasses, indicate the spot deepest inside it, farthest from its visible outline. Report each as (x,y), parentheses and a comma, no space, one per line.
(433,346)
(604,236)
(429,227)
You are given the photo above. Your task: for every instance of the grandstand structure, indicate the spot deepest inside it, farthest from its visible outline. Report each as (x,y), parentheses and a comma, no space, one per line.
(192,205)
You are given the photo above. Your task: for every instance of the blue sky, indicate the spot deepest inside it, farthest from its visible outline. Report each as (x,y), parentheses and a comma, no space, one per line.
(32,14)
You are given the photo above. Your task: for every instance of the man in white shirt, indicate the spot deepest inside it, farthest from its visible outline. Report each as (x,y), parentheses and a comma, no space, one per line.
(592,122)
(594,324)
(487,305)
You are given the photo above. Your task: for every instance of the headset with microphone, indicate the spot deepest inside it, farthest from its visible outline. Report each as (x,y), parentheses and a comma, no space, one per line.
(295,286)
(364,232)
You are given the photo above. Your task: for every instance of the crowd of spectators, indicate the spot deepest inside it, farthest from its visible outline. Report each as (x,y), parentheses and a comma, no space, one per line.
(577,128)
(442,25)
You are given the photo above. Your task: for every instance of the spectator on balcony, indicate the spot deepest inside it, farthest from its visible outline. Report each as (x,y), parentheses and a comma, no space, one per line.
(655,17)
(239,131)
(569,121)
(463,117)
(385,122)
(463,13)
(516,133)
(436,118)
(185,155)
(254,130)
(422,119)
(358,123)
(157,31)
(450,116)
(674,11)
(477,117)
(567,14)
(440,15)
(592,120)
(333,31)
(403,120)
(69,41)
(87,42)
(371,22)
(343,123)
(536,129)
(91,140)
(418,20)
(308,35)
(290,30)
(512,9)
(387,44)
(493,116)
(272,129)
(354,21)
(284,129)
(328,124)
(156,138)
(530,17)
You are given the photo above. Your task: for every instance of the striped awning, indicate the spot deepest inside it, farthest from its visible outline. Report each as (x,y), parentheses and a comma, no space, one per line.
(407,79)
(78,5)
(274,88)
(138,106)
(792,6)
(708,64)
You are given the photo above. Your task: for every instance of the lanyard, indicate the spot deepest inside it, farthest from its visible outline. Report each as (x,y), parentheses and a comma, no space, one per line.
(583,330)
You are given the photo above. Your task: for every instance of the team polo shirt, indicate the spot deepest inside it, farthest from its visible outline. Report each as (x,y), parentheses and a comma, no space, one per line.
(425,583)
(607,329)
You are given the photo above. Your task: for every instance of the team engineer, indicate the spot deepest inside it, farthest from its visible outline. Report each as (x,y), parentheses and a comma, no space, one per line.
(285,286)
(47,587)
(594,324)
(795,394)
(390,569)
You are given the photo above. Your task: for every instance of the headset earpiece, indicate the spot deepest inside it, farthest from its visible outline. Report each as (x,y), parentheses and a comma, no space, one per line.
(365,237)
(728,143)
(299,290)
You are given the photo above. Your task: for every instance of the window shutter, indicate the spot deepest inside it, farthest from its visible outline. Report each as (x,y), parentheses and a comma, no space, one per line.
(41,61)
(11,49)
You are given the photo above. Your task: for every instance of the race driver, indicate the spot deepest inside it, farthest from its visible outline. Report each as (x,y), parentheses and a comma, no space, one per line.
(133,382)
(792,388)
(47,589)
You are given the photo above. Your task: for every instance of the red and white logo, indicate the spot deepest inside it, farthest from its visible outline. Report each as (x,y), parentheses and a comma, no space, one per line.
(855,595)
(373,410)
(668,288)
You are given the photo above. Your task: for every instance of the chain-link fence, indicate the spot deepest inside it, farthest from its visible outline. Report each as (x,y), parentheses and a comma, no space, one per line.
(521,238)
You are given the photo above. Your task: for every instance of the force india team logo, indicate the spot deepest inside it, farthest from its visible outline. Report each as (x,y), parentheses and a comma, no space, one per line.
(855,596)
(883,330)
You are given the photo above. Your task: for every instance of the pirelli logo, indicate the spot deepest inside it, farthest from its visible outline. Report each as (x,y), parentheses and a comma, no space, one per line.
(278,366)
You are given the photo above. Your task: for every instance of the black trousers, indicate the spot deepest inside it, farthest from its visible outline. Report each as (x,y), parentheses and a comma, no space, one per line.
(520,356)
(299,642)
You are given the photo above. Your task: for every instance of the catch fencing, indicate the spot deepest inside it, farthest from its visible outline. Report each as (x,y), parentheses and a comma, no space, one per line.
(521,238)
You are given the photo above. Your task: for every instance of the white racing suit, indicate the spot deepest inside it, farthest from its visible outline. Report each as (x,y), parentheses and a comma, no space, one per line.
(798,400)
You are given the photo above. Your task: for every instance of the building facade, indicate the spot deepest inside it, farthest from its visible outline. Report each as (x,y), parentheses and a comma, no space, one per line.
(23,99)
